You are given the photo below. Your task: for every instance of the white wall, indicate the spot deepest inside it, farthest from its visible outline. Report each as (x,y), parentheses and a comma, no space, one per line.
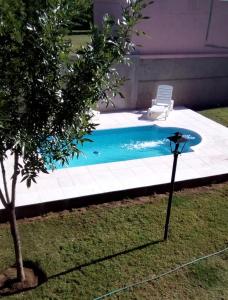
(186,46)
(177,26)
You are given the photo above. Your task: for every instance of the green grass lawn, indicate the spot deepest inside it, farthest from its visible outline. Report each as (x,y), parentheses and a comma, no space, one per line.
(79,39)
(219,115)
(90,251)
(87,252)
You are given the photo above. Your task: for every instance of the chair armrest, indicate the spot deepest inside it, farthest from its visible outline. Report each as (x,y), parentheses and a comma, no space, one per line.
(172,104)
(154,102)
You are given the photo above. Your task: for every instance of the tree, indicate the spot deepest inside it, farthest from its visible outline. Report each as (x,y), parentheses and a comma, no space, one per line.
(45,95)
(81,14)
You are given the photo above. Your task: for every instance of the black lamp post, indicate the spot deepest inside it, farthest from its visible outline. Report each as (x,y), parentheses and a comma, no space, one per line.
(175,141)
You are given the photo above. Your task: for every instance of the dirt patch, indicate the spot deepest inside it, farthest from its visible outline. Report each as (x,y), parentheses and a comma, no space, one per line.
(9,284)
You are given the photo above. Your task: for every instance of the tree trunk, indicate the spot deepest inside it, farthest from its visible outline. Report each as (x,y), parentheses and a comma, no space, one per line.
(17,244)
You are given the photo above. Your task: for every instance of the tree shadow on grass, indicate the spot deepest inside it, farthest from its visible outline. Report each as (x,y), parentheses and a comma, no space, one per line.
(98,260)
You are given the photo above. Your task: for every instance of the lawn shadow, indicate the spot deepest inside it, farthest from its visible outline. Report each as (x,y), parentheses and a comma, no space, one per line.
(98,260)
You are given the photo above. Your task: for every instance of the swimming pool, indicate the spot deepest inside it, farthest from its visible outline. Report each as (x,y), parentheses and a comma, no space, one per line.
(119,144)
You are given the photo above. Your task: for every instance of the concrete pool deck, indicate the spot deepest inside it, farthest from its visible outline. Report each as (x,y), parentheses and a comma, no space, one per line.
(208,159)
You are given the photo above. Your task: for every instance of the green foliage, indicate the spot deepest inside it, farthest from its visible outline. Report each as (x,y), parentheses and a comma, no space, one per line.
(45,95)
(81,15)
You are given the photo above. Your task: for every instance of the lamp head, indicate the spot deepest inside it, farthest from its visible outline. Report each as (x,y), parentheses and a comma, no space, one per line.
(176,140)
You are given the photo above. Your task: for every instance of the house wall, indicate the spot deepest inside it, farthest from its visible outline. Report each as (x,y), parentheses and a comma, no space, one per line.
(197,81)
(186,45)
(185,26)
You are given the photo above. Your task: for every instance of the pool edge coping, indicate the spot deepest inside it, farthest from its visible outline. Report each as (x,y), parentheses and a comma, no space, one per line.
(41,209)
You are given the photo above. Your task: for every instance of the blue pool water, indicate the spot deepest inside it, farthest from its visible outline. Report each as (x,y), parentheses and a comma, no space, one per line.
(129,143)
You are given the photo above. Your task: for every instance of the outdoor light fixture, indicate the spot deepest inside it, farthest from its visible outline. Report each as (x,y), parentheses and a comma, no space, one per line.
(176,141)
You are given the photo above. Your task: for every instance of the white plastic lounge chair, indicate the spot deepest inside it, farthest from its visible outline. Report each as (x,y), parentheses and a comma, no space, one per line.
(163,102)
